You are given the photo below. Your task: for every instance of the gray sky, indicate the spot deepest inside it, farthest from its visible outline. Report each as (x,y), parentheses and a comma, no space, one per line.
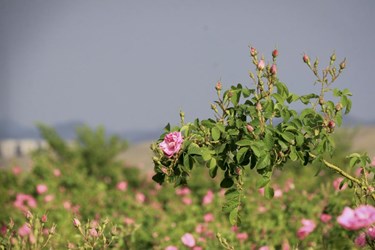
(135,64)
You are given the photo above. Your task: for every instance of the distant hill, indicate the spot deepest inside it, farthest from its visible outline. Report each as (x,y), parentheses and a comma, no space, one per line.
(13,130)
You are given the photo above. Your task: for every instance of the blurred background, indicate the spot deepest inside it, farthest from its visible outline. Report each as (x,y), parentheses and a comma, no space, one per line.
(131,66)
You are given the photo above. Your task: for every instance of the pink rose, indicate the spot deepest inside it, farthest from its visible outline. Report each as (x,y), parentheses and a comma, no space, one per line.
(336,184)
(188,240)
(171,144)
(264,248)
(41,188)
(24,230)
(122,186)
(325,218)
(371,232)
(242,236)
(307,227)
(360,241)
(24,202)
(361,217)
(171,248)
(208,198)
(373,161)
(261,65)
(209,217)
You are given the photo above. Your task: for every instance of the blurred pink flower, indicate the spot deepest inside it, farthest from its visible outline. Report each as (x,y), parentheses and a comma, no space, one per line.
(197,248)
(140,197)
(44,218)
(16,170)
(289,185)
(285,245)
(358,172)
(129,221)
(209,217)
(93,232)
(242,236)
(122,186)
(325,217)
(171,248)
(187,200)
(264,248)
(361,217)
(41,188)
(336,184)
(371,232)
(56,172)
(188,240)
(261,64)
(360,240)
(208,198)
(183,191)
(3,229)
(307,227)
(373,161)
(261,191)
(278,193)
(171,144)
(234,228)
(24,202)
(262,209)
(49,198)
(200,228)
(76,222)
(24,230)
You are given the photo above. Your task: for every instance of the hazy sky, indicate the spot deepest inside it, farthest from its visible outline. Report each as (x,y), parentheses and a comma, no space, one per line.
(135,64)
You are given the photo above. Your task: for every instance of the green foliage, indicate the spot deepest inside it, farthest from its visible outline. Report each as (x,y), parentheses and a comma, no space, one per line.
(93,149)
(257,128)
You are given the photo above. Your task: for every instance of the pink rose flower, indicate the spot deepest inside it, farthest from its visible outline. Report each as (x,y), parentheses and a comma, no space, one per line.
(24,230)
(264,248)
(24,201)
(307,227)
(336,184)
(373,161)
(188,240)
(93,232)
(140,197)
(361,217)
(371,232)
(122,186)
(187,200)
(261,65)
(208,198)
(56,172)
(183,191)
(171,144)
(325,218)
(41,188)
(171,248)
(242,236)
(360,241)
(209,217)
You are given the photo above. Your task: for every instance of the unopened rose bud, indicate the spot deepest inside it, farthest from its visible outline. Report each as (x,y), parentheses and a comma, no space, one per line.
(261,65)
(253,52)
(306,59)
(259,106)
(44,218)
(316,63)
(251,75)
(338,106)
(275,53)
(321,100)
(238,171)
(343,64)
(273,69)
(249,128)
(333,57)
(76,222)
(331,124)
(230,94)
(218,86)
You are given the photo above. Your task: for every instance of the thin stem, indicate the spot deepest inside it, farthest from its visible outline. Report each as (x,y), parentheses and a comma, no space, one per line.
(346,175)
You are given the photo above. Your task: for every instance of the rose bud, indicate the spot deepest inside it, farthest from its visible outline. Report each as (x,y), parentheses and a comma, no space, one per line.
(333,57)
(343,64)
(275,53)
(249,128)
(273,69)
(261,64)
(306,59)
(218,86)
(331,124)
(338,106)
(76,222)
(259,106)
(253,52)
(321,100)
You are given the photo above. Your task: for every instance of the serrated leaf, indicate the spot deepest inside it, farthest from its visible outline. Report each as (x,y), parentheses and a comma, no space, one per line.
(268,192)
(232,200)
(194,149)
(263,161)
(262,182)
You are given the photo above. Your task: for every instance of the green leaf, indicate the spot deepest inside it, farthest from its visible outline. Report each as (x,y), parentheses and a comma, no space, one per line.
(188,163)
(194,149)
(212,167)
(158,178)
(241,153)
(232,200)
(268,192)
(215,133)
(227,182)
(263,161)
(279,98)
(244,142)
(262,182)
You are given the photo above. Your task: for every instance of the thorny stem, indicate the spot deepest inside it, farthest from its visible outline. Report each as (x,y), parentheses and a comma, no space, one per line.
(337,169)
